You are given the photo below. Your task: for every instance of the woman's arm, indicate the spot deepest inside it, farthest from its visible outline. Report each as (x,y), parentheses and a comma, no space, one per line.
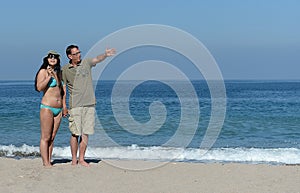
(65,109)
(42,80)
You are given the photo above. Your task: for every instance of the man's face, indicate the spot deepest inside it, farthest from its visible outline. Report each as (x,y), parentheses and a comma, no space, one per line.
(75,55)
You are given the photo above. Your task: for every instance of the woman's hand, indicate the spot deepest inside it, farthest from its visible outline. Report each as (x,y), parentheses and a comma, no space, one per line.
(50,71)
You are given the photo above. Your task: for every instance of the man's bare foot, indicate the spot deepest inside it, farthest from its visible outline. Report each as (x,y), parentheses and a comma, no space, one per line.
(84,163)
(74,163)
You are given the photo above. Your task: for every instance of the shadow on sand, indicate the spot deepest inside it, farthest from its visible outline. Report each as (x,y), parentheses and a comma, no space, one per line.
(64,161)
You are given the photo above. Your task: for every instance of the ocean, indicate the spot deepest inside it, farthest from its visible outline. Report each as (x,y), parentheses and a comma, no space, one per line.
(261,125)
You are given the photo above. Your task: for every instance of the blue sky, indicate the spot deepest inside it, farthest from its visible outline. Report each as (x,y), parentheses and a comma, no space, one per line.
(250,39)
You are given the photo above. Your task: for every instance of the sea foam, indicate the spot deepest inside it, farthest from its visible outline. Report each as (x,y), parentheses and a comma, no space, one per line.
(240,155)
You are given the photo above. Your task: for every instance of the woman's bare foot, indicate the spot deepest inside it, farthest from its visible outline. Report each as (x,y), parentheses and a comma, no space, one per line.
(48,165)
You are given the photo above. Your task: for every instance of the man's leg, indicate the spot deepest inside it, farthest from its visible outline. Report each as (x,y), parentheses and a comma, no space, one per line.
(74,148)
(82,148)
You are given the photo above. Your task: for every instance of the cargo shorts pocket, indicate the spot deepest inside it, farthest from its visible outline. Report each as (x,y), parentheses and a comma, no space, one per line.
(74,123)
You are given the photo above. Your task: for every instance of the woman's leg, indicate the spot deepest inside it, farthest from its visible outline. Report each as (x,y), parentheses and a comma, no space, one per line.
(46,121)
(56,125)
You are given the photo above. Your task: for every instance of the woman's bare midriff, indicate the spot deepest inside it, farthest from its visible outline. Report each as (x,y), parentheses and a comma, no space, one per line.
(52,97)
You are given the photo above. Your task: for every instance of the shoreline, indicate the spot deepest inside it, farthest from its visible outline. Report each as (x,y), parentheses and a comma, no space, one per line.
(60,160)
(153,153)
(28,175)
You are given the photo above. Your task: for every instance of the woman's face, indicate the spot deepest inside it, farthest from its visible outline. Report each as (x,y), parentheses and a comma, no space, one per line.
(52,59)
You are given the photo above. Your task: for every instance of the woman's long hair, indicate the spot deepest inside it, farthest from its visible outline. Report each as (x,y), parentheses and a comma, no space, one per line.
(57,69)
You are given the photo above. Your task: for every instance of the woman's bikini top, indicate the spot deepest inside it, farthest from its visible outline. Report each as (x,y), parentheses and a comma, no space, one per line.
(53,83)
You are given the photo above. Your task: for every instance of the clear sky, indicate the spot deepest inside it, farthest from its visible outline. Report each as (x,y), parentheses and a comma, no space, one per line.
(250,39)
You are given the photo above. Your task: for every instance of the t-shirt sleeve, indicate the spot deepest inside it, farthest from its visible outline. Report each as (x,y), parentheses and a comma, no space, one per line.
(89,62)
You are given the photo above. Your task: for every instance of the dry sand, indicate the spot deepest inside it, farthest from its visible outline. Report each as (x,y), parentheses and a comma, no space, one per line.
(27,175)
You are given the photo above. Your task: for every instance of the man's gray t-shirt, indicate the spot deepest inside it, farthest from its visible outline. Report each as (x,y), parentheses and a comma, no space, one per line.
(79,82)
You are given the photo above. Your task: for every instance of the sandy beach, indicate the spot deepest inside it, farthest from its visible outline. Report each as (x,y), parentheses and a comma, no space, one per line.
(27,175)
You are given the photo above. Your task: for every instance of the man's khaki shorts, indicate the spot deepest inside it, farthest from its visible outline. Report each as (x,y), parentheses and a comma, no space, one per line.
(82,120)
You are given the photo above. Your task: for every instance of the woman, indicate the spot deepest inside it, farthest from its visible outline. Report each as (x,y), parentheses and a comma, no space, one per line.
(48,80)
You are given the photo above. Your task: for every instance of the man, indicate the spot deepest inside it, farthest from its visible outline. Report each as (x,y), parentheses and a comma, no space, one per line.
(77,77)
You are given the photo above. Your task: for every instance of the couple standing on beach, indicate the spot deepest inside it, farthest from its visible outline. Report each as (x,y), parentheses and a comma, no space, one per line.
(53,81)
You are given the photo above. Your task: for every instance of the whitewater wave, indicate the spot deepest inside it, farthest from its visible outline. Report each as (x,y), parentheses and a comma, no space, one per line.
(242,155)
